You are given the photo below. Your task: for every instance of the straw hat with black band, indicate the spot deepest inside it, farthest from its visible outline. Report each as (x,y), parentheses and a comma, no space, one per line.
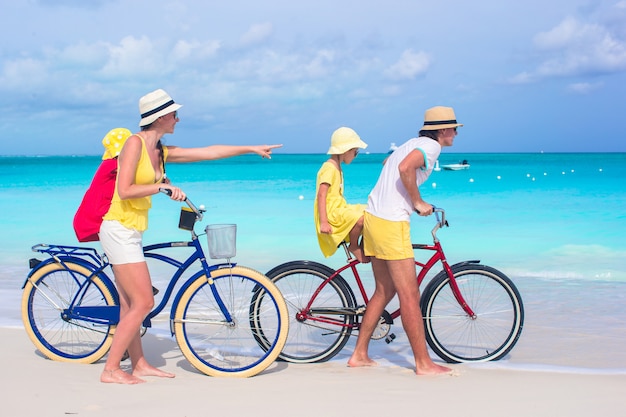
(439,117)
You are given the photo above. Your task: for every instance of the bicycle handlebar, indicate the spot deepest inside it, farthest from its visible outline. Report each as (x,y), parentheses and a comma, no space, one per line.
(198,211)
(442,222)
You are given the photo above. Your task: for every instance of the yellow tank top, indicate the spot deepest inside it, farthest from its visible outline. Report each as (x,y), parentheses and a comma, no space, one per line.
(133,212)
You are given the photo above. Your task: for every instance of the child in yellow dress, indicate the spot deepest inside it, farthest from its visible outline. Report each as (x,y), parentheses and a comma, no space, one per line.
(335,219)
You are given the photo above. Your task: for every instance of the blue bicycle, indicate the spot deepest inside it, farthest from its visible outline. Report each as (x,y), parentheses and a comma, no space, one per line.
(70,306)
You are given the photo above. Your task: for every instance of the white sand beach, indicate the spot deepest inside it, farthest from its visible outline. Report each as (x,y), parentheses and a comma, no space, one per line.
(569,362)
(35,386)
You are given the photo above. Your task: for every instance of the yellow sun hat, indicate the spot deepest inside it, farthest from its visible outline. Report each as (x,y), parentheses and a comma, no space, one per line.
(114,141)
(344,139)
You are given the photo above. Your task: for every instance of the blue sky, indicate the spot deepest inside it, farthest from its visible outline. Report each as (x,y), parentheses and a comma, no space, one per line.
(523,76)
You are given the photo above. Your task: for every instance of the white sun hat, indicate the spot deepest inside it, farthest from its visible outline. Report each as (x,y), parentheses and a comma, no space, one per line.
(154,105)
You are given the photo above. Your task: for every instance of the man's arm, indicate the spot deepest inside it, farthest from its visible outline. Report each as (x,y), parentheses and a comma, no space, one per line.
(408,168)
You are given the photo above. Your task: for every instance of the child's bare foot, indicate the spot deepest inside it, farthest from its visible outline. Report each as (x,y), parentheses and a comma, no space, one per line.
(357,361)
(149,370)
(118,376)
(358,254)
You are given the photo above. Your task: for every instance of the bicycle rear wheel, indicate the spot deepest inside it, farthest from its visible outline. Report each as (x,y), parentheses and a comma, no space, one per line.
(217,347)
(321,332)
(48,292)
(499,315)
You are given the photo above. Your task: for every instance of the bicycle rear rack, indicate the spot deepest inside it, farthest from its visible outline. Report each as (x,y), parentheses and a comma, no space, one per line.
(61,250)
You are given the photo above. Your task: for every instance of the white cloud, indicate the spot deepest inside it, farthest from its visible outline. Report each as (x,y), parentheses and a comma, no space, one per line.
(318,66)
(522,78)
(148,57)
(195,51)
(82,66)
(392,90)
(23,74)
(410,65)
(135,56)
(256,34)
(277,67)
(577,48)
(583,88)
(79,55)
(561,36)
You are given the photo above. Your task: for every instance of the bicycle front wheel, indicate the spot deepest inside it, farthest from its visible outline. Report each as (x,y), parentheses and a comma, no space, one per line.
(47,294)
(494,329)
(320,332)
(220,347)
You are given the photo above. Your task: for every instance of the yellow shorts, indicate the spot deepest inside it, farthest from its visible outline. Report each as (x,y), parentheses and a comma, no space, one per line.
(385,239)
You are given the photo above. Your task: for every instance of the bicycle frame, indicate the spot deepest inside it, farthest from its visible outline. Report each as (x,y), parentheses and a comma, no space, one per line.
(197,255)
(91,260)
(425,267)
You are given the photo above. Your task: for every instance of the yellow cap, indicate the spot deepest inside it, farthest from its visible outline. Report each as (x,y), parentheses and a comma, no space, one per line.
(113,142)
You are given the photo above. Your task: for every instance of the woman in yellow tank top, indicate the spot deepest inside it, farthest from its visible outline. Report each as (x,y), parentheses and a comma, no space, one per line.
(141,173)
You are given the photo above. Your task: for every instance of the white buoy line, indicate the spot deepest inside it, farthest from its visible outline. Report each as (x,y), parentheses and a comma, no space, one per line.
(498,177)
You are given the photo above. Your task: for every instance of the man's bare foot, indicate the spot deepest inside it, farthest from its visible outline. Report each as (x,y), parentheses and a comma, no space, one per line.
(149,370)
(433,369)
(356,361)
(117,376)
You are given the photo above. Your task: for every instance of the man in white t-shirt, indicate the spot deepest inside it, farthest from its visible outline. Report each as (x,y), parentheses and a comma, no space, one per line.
(387,237)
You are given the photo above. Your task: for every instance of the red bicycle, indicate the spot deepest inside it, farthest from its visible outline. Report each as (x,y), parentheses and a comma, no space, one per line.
(472,312)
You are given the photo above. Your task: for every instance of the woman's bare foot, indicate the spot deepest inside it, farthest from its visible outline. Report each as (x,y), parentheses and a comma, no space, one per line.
(118,376)
(149,370)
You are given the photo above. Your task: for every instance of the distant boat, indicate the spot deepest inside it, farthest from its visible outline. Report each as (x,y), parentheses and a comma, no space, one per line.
(456,167)
(437,167)
(392,147)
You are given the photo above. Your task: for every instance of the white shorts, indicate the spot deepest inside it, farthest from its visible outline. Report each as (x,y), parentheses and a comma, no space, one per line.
(121,245)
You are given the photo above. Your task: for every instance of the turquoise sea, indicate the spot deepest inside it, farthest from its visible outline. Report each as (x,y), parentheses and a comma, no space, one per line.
(555,223)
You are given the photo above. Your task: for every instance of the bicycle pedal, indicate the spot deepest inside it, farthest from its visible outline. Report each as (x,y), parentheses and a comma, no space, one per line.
(390,338)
